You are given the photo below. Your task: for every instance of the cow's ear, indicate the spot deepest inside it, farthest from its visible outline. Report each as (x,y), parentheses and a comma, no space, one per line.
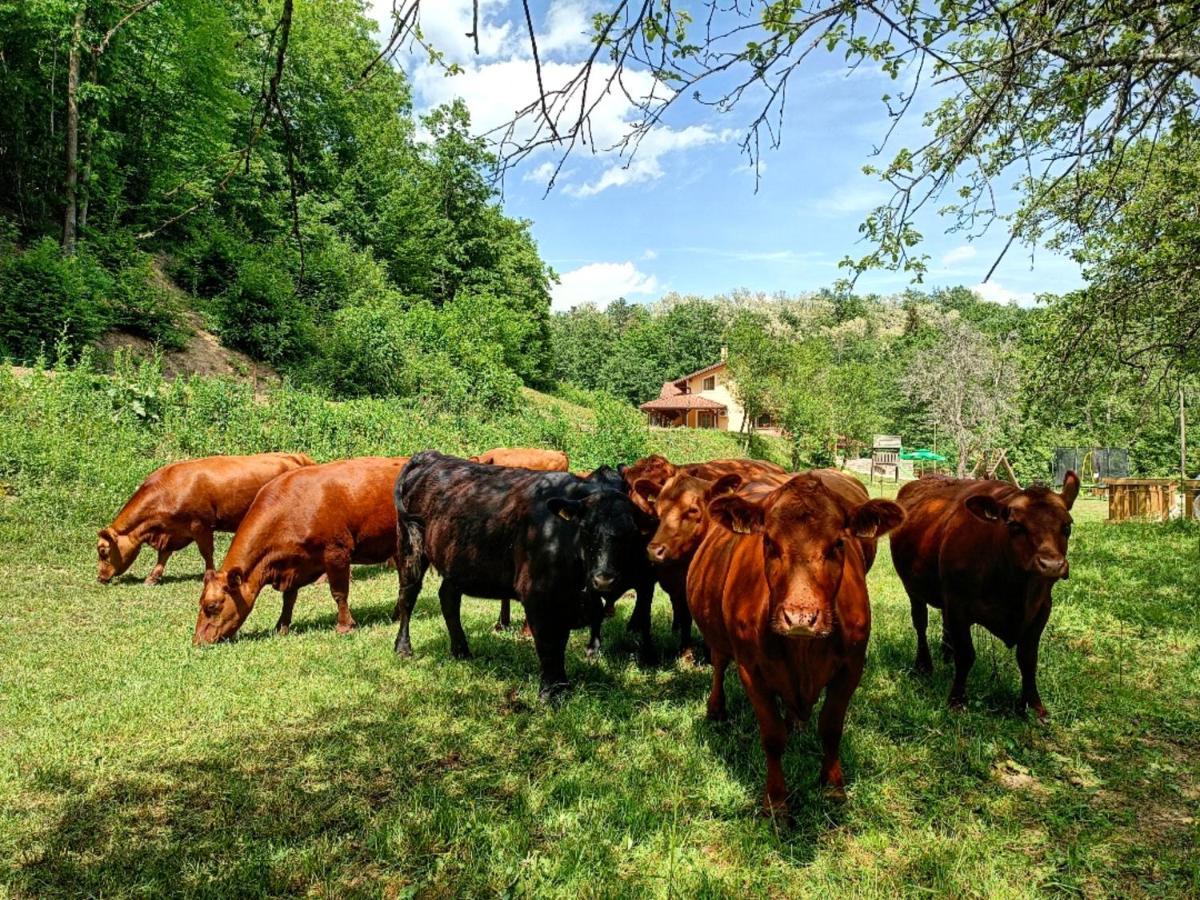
(981,506)
(107,534)
(1070,489)
(209,574)
(621,467)
(726,484)
(564,508)
(875,518)
(737,514)
(234,578)
(647,491)
(473,459)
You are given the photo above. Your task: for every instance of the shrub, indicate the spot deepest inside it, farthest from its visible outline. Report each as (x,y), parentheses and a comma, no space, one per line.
(260,312)
(45,297)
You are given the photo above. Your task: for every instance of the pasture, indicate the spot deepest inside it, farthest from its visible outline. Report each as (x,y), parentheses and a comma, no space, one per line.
(133,764)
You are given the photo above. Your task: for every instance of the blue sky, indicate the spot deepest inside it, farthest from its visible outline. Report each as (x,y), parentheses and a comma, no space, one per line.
(683,215)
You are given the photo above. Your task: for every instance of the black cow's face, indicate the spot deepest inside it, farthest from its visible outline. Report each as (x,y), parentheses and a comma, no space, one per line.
(1038,524)
(612,534)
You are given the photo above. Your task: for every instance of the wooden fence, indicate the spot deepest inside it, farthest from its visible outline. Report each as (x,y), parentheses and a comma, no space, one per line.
(1152,499)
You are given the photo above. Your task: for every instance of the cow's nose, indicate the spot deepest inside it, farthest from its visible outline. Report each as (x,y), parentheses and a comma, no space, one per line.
(800,623)
(1053,566)
(602,582)
(657,552)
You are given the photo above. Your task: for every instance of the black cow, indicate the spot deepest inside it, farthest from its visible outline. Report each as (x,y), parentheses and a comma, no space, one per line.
(554,541)
(638,576)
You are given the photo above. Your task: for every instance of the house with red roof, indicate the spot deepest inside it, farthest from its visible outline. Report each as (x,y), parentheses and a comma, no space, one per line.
(705,398)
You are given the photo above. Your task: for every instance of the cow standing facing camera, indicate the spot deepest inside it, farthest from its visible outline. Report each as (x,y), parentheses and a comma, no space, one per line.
(984,553)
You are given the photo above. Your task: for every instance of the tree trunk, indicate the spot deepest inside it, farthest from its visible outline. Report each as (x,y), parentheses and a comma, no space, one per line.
(70,222)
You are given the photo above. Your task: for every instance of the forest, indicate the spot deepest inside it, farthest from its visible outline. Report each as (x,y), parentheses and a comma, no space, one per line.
(255,167)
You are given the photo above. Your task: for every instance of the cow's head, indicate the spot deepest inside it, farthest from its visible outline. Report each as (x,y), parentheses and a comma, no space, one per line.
(612,534)
(654,470)
(224,606)
(682,509)
(115,554)
(807,539)
(1037,522)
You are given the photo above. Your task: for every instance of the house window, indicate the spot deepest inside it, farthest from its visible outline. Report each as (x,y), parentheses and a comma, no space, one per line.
(707,419)
(710,383)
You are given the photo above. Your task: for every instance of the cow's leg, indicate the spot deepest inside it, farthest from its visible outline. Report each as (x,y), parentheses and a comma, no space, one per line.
(959,630)
(285,614)
(203,537)
(451,598)
(1027,659)
(156,573)
(550,641)
(406,602)
(339,587)
(773,732)
(505,619)
(595,624)
(831,721)
(947,640)
(716,698)
(645,597)
(920,620)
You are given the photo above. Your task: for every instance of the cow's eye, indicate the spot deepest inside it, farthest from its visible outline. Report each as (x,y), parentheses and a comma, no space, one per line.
(839,545)
(1067,530)
(769,546)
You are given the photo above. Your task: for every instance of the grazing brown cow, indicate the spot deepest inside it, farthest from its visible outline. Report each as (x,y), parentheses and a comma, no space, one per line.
(780,588)
(649,475)
(986,553)
(184,502)
(308,523)
(524,458)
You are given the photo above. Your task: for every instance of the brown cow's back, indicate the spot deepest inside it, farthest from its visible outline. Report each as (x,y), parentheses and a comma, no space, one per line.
(329,504)
(525,458)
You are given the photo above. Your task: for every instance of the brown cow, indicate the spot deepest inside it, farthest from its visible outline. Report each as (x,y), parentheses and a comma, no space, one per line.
(311,522)
(986,553)
(785,597)
(184,502)
(524,458)
(649,475)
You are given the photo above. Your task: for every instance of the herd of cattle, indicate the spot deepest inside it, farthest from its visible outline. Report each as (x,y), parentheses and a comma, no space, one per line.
(771,566)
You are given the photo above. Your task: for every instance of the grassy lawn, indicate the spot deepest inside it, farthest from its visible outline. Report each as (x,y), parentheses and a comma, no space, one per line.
(131,763)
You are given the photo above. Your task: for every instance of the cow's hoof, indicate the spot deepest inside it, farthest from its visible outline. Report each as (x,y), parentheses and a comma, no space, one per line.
(345,628)
(554,693)
(1039,711)
(958,704)
(460,652)
(499,627)
(151,582)
(593,653)
(835,792)
(403,650)
(923,665)
(282,630)
(716,714)
(776,810)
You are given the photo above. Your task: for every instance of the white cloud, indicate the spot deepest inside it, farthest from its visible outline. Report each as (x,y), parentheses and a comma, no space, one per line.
(959,254)
(646,163)
(650,254)
(445,25)
(852,198)
(994,292)
(601,283)
(568,28)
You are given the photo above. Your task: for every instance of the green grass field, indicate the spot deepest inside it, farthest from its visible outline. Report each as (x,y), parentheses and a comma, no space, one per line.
(133,764)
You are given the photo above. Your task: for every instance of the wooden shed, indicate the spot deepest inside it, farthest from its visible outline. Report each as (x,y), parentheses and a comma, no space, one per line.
(1191,499)
(1141,498)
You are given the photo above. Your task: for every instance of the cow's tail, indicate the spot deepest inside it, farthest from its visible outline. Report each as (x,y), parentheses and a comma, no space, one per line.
(410,540)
